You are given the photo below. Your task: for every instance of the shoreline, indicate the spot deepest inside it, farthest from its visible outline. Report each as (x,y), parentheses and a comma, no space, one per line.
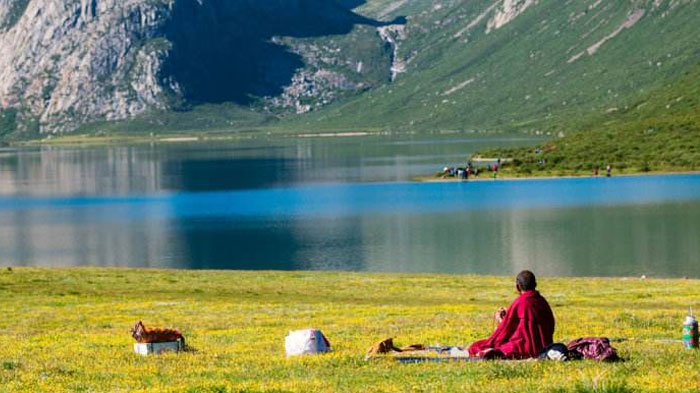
(186,137)
(146,270)
(214,135)
(433,179)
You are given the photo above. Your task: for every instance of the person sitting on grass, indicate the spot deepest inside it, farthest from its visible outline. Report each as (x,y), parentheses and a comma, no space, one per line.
(524,330)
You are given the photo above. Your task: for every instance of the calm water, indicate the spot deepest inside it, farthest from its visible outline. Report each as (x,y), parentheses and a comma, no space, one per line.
(335,204)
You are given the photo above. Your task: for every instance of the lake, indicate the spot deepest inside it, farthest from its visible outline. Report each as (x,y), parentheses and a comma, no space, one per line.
(335,204)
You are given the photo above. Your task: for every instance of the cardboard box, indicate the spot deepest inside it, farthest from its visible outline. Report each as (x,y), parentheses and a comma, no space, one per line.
(156,348)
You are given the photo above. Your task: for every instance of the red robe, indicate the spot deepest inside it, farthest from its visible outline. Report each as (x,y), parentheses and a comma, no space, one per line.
(527,329)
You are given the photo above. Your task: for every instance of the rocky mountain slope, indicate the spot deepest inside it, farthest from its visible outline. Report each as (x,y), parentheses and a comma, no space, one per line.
(539,66)
(66,62)
(70,62)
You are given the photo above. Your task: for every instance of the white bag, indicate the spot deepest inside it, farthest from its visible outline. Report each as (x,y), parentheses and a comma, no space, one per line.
(309,341)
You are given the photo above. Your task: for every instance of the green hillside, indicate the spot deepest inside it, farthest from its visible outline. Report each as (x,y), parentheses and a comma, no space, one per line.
(659,132)
(532,74)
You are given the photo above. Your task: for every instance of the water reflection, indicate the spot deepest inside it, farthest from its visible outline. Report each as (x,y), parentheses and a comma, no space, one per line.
(605,241)
(76,171)
(80,236)
(170,207)
(656,240)
(152,169)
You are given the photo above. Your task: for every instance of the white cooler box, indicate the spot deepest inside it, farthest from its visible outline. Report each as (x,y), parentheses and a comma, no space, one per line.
(156,348)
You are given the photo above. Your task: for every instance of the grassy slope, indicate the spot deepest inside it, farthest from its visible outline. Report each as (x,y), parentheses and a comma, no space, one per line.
(521,76)
(199,120)
(659,132)
(67,330)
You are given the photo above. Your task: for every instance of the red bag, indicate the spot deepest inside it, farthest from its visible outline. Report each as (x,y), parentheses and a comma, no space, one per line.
(595,348)
(142,334)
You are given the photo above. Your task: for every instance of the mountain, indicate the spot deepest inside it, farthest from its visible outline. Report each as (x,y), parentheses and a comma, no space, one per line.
(546,67)
(70,62)
(538,66)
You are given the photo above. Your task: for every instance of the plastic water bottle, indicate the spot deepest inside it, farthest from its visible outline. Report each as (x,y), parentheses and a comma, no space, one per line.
(690,331)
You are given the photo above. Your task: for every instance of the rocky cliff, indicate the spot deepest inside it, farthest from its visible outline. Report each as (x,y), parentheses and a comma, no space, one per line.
(69,62)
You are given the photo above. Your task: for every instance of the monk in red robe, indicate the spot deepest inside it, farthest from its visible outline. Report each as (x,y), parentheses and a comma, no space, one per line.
(524,329)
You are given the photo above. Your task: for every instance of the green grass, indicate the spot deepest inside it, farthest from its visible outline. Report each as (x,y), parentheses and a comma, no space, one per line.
(8,121)
(205,118)
(66,330)
(659,133)
(521,77)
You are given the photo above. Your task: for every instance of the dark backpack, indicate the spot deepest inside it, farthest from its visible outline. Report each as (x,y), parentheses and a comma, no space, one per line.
(557,351)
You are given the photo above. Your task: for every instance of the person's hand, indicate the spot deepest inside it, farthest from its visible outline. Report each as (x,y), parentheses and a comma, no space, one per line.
(499,315)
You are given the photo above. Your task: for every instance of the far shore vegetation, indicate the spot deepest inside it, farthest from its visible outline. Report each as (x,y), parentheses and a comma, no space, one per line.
(651,147)
(67,330)
(657,134)
(655,145)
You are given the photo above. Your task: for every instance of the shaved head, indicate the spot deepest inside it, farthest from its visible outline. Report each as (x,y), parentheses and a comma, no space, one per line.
(526,281)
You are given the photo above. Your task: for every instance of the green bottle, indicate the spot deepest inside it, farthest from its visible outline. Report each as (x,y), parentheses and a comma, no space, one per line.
(690,331)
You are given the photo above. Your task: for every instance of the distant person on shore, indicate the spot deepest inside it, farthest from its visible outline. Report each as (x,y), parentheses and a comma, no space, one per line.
(524,329)
(448,171)
(608,171)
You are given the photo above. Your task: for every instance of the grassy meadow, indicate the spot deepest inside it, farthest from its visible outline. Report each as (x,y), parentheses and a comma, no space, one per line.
(67,330)
(658,133)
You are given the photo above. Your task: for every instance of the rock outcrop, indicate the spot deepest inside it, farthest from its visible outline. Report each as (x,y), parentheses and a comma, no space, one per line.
(70,62)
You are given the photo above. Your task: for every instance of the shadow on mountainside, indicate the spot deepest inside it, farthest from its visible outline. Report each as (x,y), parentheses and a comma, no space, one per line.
(222,49)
